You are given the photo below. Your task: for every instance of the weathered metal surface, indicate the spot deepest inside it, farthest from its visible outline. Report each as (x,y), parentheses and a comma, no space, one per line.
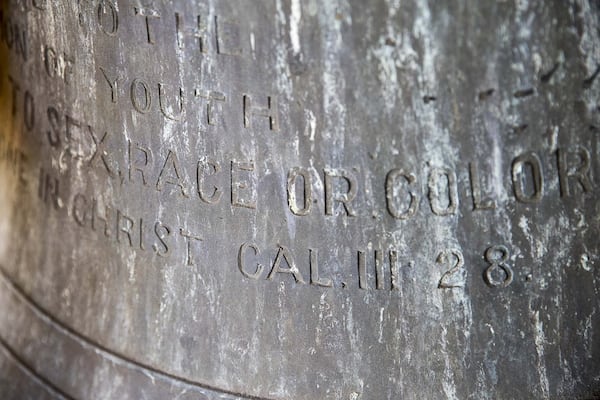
(300,199)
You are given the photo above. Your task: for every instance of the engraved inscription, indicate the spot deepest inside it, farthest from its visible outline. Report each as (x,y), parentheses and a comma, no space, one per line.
(58,64)
(499,273)
(454,277)
(527,166)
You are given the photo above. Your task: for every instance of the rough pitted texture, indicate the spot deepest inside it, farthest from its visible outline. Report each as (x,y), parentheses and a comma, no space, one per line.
(288,199)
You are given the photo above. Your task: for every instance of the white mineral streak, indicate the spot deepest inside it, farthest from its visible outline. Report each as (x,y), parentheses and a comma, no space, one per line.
(354,335)
(334,84)
(588,335)
(332,16)
(454,305)
(253,44)
(537,244)
(295,18)
(381,316)
(448,383)
(589,46)
(311,128)
(394,59)
(540,341)
(282,72)
(281,387)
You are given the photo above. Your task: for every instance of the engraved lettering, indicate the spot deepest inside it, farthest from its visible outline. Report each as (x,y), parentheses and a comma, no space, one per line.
(79,210)
(435,198)
(189,239)
(293,175)
(391,193)
(141,232)
(201,172)
(394,270)
(314,271)
(242,261)
(240,186)
(49,189)
(170,174)
(379,268)
(228,37)
(580,172)
(55,126)
(96,217)
(113,84)
(520,165)
(199,32)
(148,14)
(210,97)
(143,105)
(163,107)
(29,111)
(58,65)
(50,61)
(332,196)
(362,270)
(40,4)
(101,153)
(162,232)
(379,279)
(108,18)
(134,162)
(75,132)
(270,111)
(14,36)
(126,229)
(284,254)
(478,203)
(497,256)
(455,276)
